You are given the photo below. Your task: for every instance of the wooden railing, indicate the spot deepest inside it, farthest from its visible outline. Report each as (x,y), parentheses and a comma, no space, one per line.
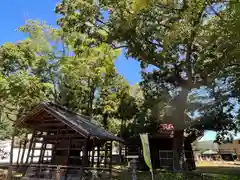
(57,172)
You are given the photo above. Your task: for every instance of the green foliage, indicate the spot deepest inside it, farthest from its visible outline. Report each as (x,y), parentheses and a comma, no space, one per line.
(52,65)
(85,74)
(188,43)
(21,86)
(181,39)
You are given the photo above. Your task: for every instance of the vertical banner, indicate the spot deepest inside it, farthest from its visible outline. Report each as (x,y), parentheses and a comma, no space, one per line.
(146,152)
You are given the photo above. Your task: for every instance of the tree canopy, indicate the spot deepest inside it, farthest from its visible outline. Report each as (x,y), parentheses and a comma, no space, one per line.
(188,43)
(48,66)
(191,46)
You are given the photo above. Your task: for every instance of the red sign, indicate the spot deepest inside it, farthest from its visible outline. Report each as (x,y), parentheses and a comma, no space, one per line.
(166,128)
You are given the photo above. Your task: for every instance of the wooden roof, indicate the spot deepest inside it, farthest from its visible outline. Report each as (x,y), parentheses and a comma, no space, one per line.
(81,124)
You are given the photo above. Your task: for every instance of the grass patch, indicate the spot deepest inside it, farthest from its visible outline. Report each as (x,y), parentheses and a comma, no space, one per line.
(218,168)
(210,171)
(174,176)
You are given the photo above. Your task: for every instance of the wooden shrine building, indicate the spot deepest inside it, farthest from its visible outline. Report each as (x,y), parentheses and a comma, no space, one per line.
(161,148)
(62,137)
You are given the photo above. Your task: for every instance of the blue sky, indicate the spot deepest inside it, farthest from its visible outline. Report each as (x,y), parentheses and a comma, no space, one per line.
(14,13)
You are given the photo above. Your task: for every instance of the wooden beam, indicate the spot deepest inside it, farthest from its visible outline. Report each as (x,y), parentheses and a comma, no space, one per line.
(55,130)
(42,114)
(93,153)
(79,143)
(55,146)
(98,156)
(10,168)
(85,153)
(33,149)
(11,151)
(42,152)
(84,132)
(110,163)
(69,149)
(24,148)
(105,155)
(49,125)
(68,155)
(30,147)
(19,151)
(49,118)
(61,136)
(48,122)
(32,118)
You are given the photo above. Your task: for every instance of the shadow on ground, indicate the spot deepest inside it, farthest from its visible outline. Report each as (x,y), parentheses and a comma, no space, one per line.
(209,173)
(158,175)
(223,170)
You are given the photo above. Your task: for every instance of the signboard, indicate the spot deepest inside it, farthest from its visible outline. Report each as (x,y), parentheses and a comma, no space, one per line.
(166,128)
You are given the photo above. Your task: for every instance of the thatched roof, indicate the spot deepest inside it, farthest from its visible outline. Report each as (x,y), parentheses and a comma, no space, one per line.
(77,122)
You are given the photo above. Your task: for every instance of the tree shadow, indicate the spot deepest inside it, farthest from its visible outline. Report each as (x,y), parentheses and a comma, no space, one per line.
(221,170)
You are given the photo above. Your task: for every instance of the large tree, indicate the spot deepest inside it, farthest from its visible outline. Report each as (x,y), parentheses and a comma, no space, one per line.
(180,40)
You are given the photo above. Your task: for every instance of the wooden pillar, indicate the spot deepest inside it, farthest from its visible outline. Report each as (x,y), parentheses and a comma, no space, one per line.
(68,155)
(110,163)
(120,152)
(24,148)
(85,153)
(19,151)
(42,152)
(110,149)
(105,155)
(98,156)
(55,147)
(30,148)
(69,149)
(93,153)
(11,158)
(34,147)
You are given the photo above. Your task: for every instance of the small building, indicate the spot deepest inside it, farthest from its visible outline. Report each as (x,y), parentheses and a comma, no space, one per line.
(204,146)
(233,147)
(210,155)
(230,151)
(210,150)
(161,148)
(63,139)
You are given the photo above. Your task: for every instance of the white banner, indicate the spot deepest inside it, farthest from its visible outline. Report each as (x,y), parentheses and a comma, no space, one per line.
(146,151)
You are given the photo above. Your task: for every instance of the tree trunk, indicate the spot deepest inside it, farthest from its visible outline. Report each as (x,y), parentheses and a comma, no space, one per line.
(178,150)
(105,121)
(121,136)
(178,117)
(90,101)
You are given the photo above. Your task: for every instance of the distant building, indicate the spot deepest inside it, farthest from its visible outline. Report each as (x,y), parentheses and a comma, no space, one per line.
(205,145)
(199,147)
(228,151)
(232,147)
